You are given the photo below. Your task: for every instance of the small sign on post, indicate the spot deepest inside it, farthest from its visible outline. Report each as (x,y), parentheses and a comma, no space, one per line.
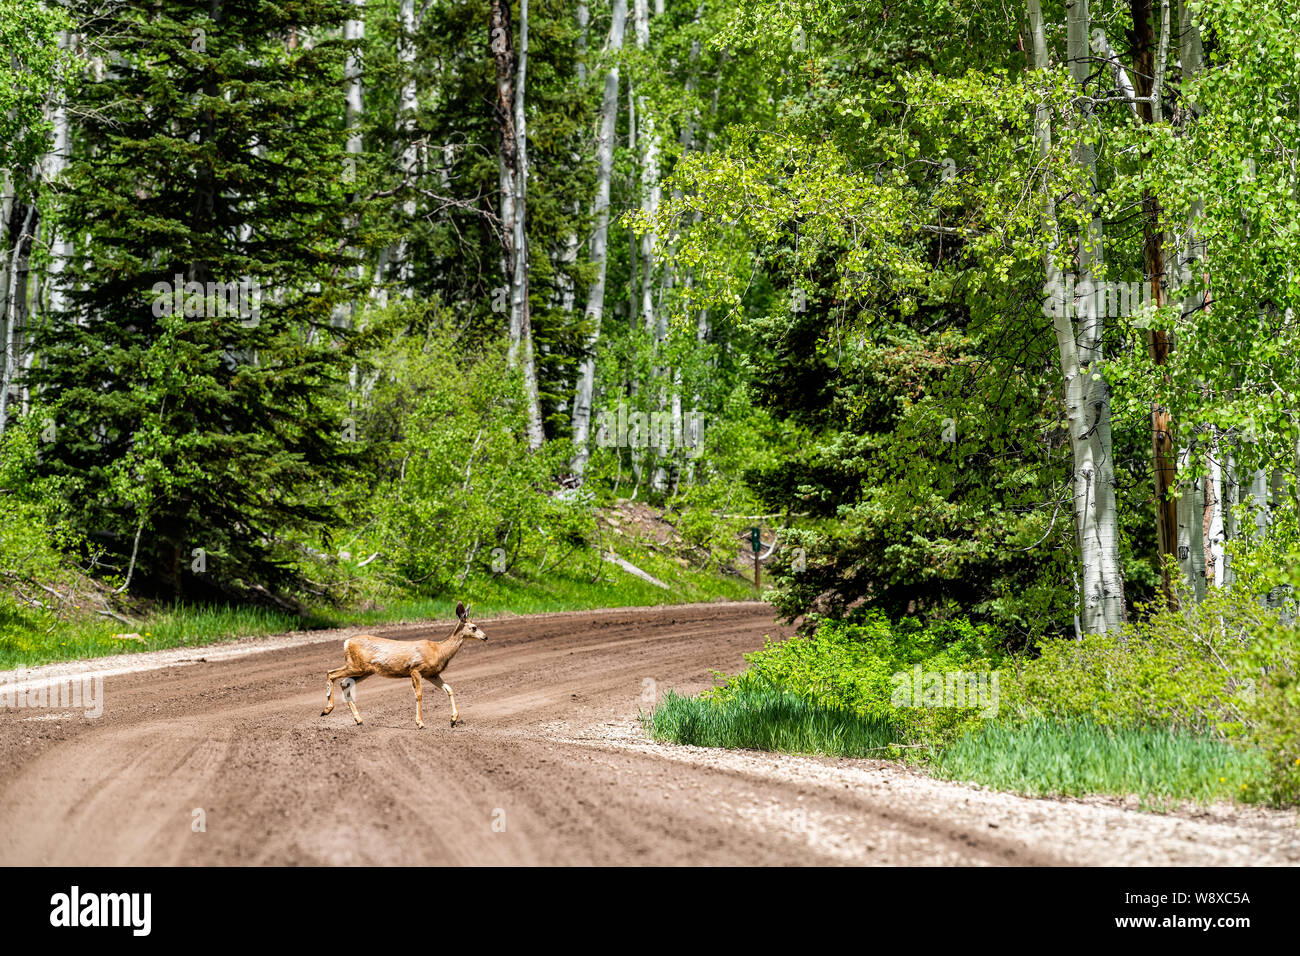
(756,542)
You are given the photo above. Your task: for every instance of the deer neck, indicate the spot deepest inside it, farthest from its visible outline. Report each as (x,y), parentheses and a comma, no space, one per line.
(453,643)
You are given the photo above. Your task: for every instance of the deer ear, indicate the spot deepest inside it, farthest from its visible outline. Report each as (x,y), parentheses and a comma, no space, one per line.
(460,610)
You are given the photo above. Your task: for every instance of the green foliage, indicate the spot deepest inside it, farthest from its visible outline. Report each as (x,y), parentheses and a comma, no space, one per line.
(463,495)
(1156,678)
(34,537)
(1161,766)
(853,667)
(764,718)
(1257,644)
(1226,668)
(29,79)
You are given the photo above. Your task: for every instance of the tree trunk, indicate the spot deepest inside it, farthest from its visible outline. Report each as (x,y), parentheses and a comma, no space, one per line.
(650,188)
(599,243)
(1193,494)
(1087,394)
(1231,498)
(1191,525)
(1215,526)
(13,310)
(511,74)
(354,31)
(1163,452)
(407,108)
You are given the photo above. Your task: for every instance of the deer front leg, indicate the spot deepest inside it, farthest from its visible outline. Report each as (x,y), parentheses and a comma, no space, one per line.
(419,695)
(330,677)
(455,713)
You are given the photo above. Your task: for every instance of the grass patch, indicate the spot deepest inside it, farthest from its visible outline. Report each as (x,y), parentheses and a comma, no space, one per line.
(1160,766)
(29,637)
(768,719)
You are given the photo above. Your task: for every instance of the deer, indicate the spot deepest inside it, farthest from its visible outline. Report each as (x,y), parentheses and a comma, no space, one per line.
(367,655)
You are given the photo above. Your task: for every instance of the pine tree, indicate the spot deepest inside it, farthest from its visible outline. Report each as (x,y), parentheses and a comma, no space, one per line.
(197,385)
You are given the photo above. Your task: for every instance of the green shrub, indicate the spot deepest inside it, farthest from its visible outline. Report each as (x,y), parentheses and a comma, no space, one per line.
(1149,679)
(466,497)
(852,667)
(1226,667)
(33,534)
(34,539)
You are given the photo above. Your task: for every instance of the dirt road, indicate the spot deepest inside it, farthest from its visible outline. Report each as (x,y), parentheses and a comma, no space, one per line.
(547,767)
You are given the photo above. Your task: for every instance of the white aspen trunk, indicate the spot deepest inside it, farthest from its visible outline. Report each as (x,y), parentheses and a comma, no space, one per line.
(1191,525)
(55,163)
(1162,56)
(1231,498)
(14,308)
(634,269)
(18,294)
(512,164)
(650,197)
(651,193)
(569,254)
(1087,394)
(1192,502)
(1122,80)
(1190,51)
(599,243)
(668,278)
(519,292)
(408,106)
(633,296)
(676,412)
(354,31)
(7,206)
(1103,580)
(518,272)
(1259,501)
(1214,515)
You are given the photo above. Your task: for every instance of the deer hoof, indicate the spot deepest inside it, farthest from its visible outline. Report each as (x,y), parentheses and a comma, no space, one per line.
(419,726)
(453,721)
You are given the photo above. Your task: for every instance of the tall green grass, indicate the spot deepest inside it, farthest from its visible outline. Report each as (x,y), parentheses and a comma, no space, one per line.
(768,719)
(1075,757)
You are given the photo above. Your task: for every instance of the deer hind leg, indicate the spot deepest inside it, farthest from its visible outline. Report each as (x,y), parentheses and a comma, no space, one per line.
(419,696)
(343,673)
(455,713)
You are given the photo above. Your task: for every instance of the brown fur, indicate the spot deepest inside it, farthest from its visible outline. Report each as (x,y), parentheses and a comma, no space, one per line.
(367,655)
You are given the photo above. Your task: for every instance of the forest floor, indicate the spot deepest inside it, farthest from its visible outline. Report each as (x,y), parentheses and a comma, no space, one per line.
(220,756)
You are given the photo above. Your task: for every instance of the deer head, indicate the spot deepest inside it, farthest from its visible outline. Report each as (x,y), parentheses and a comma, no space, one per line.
(468,627)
